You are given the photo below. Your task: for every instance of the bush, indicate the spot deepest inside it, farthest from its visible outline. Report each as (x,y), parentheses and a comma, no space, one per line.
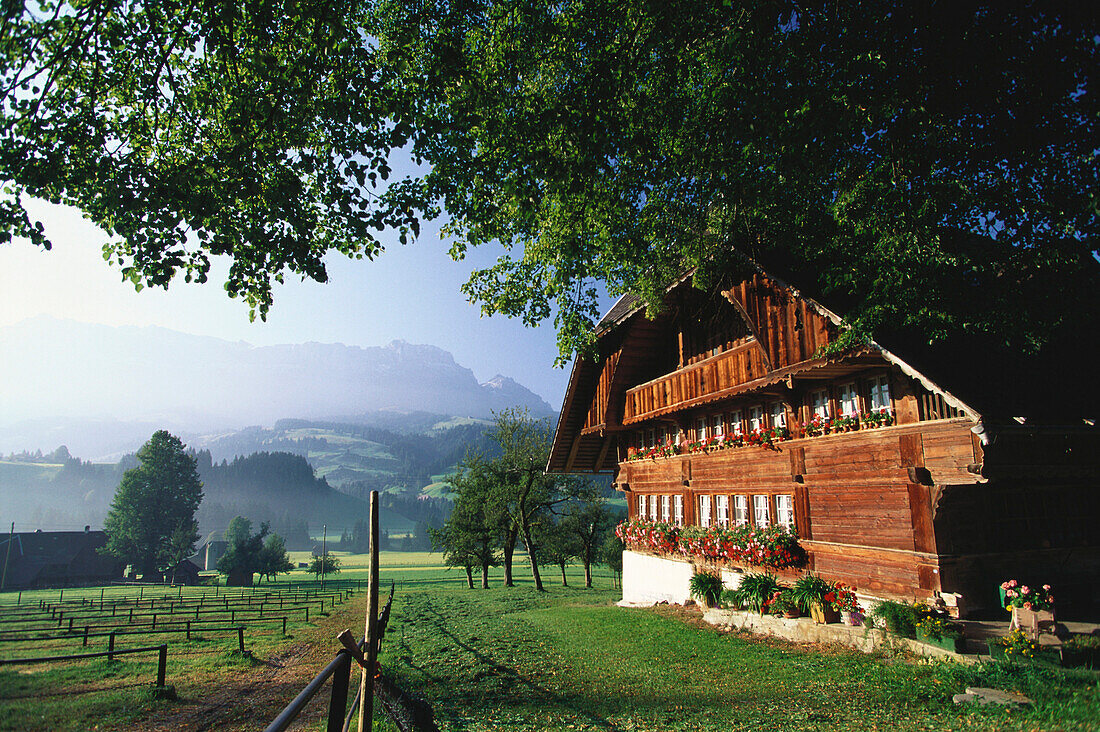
(756,590)
(706,586)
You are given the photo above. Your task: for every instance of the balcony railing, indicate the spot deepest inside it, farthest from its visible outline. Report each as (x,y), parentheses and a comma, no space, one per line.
(706,378)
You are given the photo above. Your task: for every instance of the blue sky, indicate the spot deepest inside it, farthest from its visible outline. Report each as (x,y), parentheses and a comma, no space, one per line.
(410,293)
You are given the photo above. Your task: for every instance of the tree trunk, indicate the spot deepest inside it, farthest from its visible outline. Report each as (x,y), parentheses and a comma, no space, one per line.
(587,573)
(509,549)
(531,555)
(484,575)
(470,576)
(564,582)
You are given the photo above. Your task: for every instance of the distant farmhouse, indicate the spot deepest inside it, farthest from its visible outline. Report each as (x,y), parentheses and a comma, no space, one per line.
(911,476)
(56,559)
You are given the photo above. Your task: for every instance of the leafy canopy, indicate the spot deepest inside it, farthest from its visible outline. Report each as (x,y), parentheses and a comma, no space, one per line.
(258,130)
(928,165)
(916,165)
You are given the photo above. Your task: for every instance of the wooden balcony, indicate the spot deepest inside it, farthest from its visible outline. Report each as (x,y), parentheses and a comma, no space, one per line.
(696,383)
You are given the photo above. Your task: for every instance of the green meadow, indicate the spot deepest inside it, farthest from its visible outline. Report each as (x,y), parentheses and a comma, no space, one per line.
(567,659)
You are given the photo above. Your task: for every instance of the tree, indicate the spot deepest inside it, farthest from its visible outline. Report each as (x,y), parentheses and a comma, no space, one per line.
(274,558)
(611,554)
(152,516)
(324,565)
(587,522)
(919,165)
(556,544)
(262,553)
(468,537)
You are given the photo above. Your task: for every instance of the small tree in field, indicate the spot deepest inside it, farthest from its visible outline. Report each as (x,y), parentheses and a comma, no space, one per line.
(273,558)
(325,565)
(611,554)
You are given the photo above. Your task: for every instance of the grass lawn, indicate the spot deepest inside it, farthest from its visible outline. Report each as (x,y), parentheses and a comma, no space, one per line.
(514,659)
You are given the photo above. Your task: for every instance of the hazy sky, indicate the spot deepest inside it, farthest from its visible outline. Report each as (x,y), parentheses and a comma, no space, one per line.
(410,293)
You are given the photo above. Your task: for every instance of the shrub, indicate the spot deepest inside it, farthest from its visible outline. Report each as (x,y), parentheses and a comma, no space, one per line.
(706,586)
(756,590)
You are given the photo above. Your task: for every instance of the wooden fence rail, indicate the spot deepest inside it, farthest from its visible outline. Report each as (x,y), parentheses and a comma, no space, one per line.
(162,661)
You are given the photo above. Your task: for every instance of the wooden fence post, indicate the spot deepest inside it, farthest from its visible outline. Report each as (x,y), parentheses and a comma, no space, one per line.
(338,702)
(240,638)
(162,665)
(111,646)
(366,684)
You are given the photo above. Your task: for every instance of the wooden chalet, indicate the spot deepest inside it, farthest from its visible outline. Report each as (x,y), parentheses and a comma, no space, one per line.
(945,493)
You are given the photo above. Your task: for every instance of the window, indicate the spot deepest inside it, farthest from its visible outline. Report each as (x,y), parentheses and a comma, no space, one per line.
(880,393)
(661,434)
(735,422)
(784,511)
(717,429)
(641,440)
(678,510)
(740,510)
(700,429)
(704,511)
(721,510)
(666,515)
(846,396)
(760,513)
(756,418)
(778,415)
(653,507)
(641,508)
(819,403)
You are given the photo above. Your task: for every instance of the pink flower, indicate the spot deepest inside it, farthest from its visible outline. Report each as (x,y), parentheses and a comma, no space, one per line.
(1046,587)
(1027,606)
(1012,583)
(1025,589)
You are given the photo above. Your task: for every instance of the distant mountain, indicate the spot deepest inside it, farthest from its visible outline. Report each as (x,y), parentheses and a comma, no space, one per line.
(59,369)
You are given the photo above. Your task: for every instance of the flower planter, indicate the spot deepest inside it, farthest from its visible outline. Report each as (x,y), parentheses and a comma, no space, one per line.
(948,642)
(851,618)
(822,615)
(1033,621)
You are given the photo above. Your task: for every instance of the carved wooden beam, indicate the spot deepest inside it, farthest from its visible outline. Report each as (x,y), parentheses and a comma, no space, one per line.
(728,294)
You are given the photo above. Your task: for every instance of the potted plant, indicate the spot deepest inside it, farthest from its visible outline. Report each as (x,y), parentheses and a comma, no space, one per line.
(706,587)
(818,597)
(897,617)
(756,590)
(783,604)
(942,633)
(1032,607)
(851,612)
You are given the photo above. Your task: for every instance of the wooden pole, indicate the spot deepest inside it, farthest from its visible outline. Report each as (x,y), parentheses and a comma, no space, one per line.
(366,685)
(324,554)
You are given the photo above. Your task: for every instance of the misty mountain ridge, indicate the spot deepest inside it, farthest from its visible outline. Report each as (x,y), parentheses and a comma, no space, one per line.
(57,371)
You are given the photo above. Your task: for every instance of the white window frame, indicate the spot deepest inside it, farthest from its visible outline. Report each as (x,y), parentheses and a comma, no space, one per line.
(880,394)
(704,511)
(784,511)
(678,510)
(717,429)
(777,414)
(700,429)
(722,511)
(666,514)
(819,403)
(740,510)
(761,511)
(756,418)
(641,508)
(847,397)
(651,437)
(735,422)
(653,507)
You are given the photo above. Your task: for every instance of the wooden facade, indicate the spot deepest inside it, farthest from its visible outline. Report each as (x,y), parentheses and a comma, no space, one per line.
(937,498)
